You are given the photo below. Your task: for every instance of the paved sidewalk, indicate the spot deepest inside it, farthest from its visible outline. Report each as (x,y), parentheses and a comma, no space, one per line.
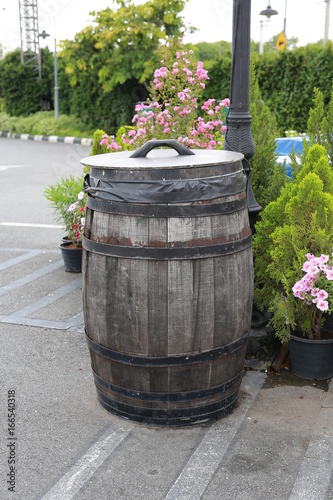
(276,445)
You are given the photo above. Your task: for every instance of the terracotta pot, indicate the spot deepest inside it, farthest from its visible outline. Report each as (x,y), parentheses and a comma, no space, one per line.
(72,257)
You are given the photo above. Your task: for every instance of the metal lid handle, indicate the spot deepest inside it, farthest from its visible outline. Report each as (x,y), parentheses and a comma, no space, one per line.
(170,143)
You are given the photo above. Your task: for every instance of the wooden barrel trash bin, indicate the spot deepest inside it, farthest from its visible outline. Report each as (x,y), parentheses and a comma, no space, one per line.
(167,281)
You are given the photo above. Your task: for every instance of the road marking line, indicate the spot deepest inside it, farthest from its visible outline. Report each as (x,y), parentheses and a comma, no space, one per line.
(49,324)
(67,487)
(6,167)
(21,315)
(30,277)
(27,254)
(197,473)
(27,224)
(316,470)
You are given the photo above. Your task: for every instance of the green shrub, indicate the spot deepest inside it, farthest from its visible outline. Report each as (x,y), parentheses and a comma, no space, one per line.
(300,221)
(287,79)
(97,149)
(20,87)
(68,208)
(44,123)
(62,194)
(320,122)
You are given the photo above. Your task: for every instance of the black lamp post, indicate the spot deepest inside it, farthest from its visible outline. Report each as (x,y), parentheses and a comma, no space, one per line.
(238,135)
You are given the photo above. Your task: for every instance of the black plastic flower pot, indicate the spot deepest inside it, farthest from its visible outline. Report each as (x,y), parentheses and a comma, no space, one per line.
(311,359)
(72,257)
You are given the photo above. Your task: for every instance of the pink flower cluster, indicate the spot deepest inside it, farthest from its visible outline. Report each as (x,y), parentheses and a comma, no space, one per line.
(172,111)
(110,142)
(318,272)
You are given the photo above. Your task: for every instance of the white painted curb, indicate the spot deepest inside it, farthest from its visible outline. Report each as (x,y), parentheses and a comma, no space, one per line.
(48,138)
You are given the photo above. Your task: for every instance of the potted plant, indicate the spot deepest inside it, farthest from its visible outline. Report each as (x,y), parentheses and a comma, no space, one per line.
(295,228)
(312,356)
(175,108)
(69,203)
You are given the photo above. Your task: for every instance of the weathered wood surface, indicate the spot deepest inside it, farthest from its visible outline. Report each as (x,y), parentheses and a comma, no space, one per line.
(159,308)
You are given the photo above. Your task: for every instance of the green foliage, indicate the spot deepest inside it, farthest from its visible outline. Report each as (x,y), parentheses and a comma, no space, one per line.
(320,123)
(218,85)
(287,79)
(14,77)
(97,148)
(300,221)
(208,53)
(172,111)
(270,46)
(23,92)
(61,196)
(327,129)
(109,63)
(267,177)
(316,115)
(126,35)
(123,131)
(44,123)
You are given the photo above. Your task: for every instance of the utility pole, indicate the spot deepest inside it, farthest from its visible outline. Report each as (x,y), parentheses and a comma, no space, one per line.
(327,20)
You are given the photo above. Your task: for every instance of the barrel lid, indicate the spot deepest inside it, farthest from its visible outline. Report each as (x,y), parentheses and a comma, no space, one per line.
(161,158)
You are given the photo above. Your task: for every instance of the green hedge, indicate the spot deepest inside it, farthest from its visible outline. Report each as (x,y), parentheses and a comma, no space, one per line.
(287,80)
(22,92)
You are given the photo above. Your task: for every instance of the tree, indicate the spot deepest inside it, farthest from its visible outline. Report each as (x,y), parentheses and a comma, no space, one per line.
(320,123)
(210,52)
(111,62)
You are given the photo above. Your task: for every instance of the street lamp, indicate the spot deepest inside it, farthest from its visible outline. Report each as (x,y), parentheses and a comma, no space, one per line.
(268,12)
(238,135)
(44,35)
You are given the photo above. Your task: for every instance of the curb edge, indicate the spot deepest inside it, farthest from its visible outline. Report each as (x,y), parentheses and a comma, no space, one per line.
(48,138)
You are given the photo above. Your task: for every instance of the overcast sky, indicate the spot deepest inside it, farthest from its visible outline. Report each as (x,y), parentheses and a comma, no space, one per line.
(305,19)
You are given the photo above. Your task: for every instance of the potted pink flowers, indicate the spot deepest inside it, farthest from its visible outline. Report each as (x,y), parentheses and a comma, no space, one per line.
(69,203)
(312,356)
(315,289)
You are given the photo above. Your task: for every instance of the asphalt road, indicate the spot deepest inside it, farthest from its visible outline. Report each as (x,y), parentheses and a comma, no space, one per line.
(26,168)
(58,443)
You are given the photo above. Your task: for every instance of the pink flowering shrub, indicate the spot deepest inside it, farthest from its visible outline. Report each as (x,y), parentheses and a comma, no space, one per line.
(315,289)
(172,110)
(110,142)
